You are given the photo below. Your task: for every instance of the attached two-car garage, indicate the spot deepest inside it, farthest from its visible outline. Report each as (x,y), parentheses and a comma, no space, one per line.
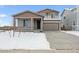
(51,26)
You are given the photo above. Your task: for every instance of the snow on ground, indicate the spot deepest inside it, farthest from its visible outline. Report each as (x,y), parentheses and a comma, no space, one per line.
(23,40)
(76,33)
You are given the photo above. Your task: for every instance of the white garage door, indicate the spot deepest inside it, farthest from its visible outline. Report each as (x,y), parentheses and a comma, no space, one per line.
(51,26)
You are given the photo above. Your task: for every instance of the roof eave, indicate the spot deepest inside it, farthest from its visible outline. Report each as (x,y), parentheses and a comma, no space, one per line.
(48,9)
(26,11)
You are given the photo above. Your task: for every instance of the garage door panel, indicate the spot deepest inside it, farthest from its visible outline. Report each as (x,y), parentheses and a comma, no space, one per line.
(50,27)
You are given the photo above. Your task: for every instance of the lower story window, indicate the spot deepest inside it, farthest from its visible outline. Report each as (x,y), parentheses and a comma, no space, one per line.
(26,23)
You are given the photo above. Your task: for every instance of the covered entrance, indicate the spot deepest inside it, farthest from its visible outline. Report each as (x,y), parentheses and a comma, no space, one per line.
(37,23)
(28,21)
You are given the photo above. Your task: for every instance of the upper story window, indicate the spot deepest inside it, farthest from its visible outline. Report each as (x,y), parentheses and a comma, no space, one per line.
(56,14)
(52,15)
(47,14)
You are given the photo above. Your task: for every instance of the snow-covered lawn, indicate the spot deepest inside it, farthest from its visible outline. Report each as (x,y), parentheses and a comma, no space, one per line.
(76,33)
(24,40)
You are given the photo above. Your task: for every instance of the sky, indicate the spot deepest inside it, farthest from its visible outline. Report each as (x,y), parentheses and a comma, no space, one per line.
(6,11)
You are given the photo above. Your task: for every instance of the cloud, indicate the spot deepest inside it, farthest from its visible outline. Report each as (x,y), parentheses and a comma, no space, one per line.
(3,15)
(0,20)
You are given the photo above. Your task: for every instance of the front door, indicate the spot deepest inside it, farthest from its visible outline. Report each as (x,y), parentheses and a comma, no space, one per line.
(38,24)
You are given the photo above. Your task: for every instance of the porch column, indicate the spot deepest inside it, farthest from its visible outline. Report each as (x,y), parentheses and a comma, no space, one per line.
(32,24)
(14,25)
(41,24)
(14,22)
(59,26)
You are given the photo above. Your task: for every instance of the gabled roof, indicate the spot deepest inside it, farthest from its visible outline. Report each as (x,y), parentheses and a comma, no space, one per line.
(68,9)
(48,10)
(26,12)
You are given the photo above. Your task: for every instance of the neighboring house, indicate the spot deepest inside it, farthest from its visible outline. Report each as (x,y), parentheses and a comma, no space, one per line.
(44,20)
(70,19)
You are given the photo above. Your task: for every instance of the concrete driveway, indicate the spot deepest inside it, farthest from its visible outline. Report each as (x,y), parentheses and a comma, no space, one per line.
(62,41)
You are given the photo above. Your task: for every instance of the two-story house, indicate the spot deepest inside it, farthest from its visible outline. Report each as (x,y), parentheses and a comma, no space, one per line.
(44,20)
(70,18)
